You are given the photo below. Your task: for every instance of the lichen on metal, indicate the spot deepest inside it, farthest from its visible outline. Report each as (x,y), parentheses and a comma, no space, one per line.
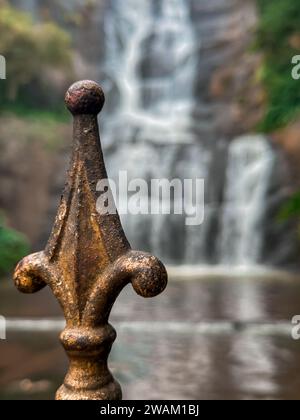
(88,260)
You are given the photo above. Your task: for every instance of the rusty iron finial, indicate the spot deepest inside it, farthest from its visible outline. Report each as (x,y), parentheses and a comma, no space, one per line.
(88,260)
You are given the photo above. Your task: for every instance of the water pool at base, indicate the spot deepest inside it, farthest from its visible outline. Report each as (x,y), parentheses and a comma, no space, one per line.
(220,338)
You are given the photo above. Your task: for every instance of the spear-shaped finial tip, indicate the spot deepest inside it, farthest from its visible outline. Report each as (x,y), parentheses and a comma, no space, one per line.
(85,97)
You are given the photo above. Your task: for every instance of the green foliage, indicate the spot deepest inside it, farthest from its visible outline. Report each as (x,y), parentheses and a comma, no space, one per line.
(31,50)
(279,23)
(278,38)
(52,116)
(291,208)
(13,247)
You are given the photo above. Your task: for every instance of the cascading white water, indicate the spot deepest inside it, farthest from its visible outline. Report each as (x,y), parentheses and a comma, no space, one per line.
(250,166)
(155,89)
(151,62)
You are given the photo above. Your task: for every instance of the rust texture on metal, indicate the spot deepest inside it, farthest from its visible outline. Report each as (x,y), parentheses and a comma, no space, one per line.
(88,260)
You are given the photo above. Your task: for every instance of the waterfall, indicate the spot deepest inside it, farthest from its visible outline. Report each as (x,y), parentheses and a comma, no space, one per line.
(152,64)
(152,61)
(155,89)
(250,166)
(156,61)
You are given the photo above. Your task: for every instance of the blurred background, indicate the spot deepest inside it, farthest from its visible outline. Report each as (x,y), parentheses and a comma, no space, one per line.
(194,89)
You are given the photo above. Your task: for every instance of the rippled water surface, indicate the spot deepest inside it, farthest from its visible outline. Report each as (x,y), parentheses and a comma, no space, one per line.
(202,339)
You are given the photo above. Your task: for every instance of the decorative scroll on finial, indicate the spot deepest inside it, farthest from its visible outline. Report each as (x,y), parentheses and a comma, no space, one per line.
(88,260)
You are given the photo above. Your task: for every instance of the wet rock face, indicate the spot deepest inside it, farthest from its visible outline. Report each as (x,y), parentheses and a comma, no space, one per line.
(225,68)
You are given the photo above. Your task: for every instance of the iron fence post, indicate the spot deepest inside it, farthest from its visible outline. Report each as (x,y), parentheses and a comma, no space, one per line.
(88,260)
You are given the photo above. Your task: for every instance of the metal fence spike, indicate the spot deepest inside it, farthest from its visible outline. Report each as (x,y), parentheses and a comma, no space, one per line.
(88,260)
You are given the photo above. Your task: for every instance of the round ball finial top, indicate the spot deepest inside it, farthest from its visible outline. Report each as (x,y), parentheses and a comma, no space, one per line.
(85,97)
